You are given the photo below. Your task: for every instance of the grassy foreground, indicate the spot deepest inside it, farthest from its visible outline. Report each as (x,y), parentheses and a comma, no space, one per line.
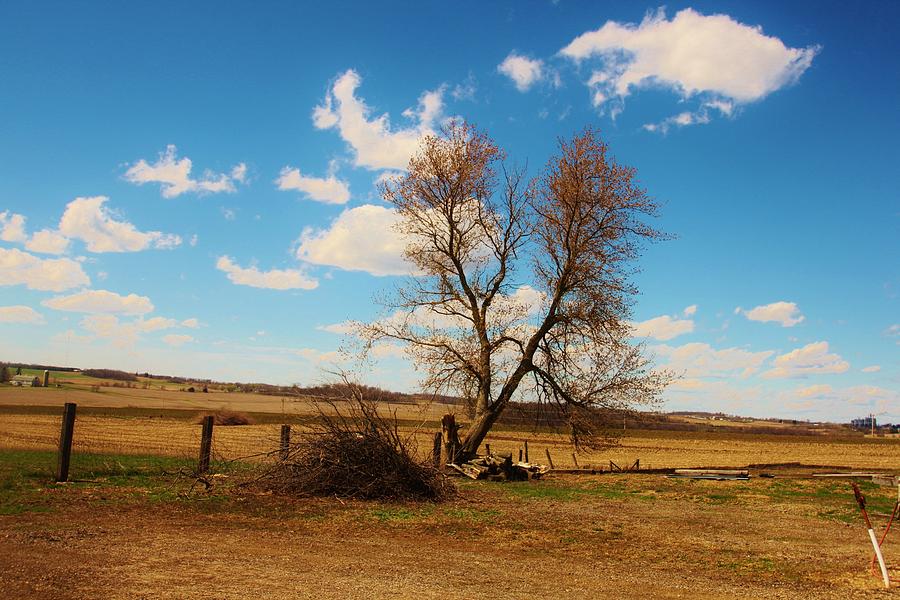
(139,526)
(26,479)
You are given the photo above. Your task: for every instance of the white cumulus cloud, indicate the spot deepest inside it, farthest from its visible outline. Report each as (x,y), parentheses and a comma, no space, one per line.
(52,275)
(812,391)
(174,175)
(342,328)
(108,327)
(321,357)
(47,241)
(155,324)
(20,314)
(702,360)
(329,190)
(523,71)
(785,313)
(276,279)
(811,359)
(663,328)
(12,227)
(360,239)
(124,334)
(525,298)
(715,57)
(177,339)
(101,302)
(88,220)
(871,369)
(375,143)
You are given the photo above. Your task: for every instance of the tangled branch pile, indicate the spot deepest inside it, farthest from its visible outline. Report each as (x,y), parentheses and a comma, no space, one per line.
(355,452)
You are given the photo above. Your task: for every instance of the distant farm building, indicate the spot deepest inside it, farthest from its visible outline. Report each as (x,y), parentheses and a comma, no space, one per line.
(25,381)
(864,423)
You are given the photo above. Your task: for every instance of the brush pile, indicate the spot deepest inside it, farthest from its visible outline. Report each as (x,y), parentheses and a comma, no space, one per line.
(355,452)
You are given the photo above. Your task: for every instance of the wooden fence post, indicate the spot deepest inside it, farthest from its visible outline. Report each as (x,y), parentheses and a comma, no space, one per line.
(285,448)
(526,450)
(206,444)
(549,460)
(436,450)
(65,442)
(451,438)
(520,455)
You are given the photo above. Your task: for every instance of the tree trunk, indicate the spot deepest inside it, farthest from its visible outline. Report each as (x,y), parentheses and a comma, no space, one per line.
(476,433)
(449,430)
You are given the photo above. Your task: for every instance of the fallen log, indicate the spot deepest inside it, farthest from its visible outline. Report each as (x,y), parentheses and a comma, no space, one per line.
(851,475)
(735,472)
(469,471)
(710,477)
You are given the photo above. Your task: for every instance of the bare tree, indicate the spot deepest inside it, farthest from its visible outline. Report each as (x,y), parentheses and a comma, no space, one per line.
(475,232)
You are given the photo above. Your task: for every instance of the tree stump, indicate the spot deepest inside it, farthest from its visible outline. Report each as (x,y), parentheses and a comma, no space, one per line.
(450,432)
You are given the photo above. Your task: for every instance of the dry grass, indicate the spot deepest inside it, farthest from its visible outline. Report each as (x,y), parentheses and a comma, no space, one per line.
(631,536)
(175,435)
(655,449)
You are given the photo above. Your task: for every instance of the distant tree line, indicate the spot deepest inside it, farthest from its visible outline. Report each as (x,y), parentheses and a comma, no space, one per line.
(110,374)
(40,367)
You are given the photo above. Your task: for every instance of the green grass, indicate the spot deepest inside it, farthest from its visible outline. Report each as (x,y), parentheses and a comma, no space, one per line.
(26,479)
(833,500)
(541,490)
(531,490)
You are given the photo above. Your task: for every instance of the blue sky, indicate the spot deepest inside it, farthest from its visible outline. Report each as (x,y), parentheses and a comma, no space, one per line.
(191,189)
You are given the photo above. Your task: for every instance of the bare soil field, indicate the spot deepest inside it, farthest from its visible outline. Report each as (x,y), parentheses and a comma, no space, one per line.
(109,396)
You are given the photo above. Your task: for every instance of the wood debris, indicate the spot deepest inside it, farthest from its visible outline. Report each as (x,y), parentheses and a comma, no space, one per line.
(849,475)
(711,474)
(886,480)
(499,468)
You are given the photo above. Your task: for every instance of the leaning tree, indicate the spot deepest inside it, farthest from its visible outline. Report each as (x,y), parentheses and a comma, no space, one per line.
(522,289)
